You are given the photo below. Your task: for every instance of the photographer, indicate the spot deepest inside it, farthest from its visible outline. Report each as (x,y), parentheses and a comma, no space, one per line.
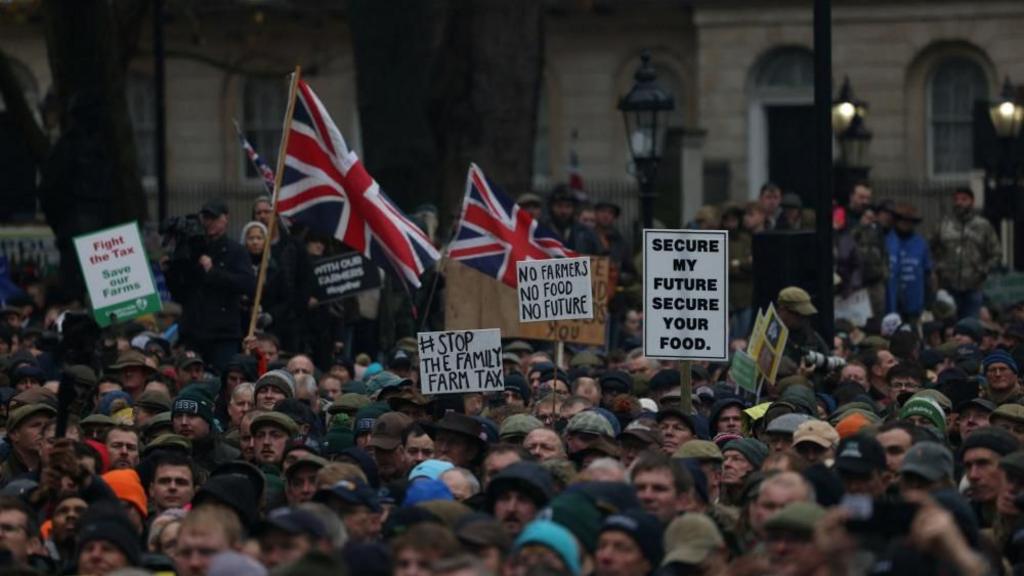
(209,274)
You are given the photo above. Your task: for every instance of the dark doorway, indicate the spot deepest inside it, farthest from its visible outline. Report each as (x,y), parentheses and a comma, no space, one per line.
(791,149)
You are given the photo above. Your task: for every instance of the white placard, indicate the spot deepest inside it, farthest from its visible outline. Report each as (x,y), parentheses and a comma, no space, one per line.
(117,274)
(686,294)
(555,289)
(458,361)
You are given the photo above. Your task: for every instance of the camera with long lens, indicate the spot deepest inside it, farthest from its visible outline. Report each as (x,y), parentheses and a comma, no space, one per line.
(185,232)
(823,362)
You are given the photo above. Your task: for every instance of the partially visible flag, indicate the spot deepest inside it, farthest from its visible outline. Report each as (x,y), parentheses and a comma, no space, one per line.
(326,188)
(261,166)
(575,176)
(495,233)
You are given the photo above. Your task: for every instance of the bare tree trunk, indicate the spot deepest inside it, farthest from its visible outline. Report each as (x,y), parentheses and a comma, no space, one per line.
(442,84)
(487,81)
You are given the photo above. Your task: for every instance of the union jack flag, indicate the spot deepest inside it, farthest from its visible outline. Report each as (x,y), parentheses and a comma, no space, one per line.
(326,188)
(265,171)
(495,233)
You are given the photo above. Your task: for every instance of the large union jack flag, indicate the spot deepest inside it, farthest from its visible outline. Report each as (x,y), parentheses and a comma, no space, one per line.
(495,233)
(326,188)
(258,163)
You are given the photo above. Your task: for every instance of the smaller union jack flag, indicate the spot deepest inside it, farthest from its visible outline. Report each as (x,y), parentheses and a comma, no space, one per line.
(495,233)
(265,171)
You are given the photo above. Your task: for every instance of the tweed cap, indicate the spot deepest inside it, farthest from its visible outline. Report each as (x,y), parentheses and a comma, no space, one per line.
(518,425)
(704,450)
(282,421)
(590,422)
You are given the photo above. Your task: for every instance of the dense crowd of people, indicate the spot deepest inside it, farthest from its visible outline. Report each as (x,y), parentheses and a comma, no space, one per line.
(176,443)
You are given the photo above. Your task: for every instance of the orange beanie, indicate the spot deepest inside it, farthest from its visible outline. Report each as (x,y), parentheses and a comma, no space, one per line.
(126,484)
(851,425)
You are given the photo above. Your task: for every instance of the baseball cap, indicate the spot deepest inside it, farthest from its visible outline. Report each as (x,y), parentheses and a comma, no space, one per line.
(859,455)
(430,469)
(690,538)
(294,521)
(387,430)
(816,432)
(931,460)
(355,492)
(797,300)
(215,207)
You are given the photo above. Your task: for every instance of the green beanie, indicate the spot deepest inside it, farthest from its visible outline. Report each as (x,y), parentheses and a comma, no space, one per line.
(927,409)
(194,399)
(339,436)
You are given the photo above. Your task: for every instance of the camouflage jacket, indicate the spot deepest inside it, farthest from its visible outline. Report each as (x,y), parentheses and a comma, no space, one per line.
(965,250)
(871,254)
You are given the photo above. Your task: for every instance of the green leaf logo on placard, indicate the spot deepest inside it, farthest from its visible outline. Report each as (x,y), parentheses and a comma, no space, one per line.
(141,303)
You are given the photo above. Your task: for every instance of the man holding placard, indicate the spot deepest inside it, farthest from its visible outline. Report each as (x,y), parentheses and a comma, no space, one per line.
(209,275)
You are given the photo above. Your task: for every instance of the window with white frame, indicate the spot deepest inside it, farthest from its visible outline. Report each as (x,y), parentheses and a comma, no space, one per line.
(142,111)
(264,104)
(955,85)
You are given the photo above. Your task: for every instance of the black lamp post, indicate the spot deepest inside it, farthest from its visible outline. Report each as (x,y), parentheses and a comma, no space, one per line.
(1004,179)
(643,110)
(854,138)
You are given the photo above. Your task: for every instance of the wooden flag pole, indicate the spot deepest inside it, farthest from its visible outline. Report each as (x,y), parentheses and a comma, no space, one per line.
(559,356)
(686,387)
(281,153)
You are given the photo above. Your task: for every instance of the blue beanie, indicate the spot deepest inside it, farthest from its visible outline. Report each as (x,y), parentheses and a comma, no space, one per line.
(555,537)
(426,490)
(1000,357)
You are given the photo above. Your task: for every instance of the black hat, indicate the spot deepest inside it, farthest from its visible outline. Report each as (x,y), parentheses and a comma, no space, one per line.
(462,424)
(235,491)
(110,525)
(667,378)
(643,528)
(529,477)
(859,455)
(294,521)
(994,438)
(616,381)
(215,208)
(676,412)
(553,373)
(518,384)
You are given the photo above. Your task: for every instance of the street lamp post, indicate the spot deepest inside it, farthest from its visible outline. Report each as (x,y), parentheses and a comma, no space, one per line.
(1007,116)
(853,137)
(643,110)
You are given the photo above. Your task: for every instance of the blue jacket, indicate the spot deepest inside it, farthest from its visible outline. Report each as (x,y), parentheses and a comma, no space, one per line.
(910,263)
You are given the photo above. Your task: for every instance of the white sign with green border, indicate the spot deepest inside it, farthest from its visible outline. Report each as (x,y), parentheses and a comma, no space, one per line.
(117,274)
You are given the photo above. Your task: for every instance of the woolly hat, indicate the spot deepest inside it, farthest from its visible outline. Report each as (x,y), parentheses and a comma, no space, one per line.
(128,487)
(927,409)
(999,356)
(280,379)
(554,537)
(194,399)
(426,490)
(753,450)
(110,525)
(577,512)
(996,439)
(852,424)
(643,528)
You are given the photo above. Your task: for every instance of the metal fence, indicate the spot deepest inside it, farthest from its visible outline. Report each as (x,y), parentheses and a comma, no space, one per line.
(932,199)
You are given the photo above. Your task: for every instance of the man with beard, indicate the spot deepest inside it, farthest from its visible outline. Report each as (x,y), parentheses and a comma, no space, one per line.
(271,432)
(123,445)
(386,447)
(517,493)
(966,249)
(562,218)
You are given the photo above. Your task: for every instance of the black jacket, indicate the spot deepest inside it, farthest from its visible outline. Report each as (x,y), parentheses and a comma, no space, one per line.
(211,300)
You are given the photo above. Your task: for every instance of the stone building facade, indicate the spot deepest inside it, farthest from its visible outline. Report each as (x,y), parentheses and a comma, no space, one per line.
(741,72)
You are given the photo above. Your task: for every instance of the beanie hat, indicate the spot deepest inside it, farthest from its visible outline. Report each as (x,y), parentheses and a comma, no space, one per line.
(194,399)
(643,528)
(426,490)
(926,408)
(852,424)
(753,450)
(128,487)
(113,401)
(996,439)
(578,513)
(519,385)
(554,537)
(339,436)
(110,525)
(999,356)
(280,379)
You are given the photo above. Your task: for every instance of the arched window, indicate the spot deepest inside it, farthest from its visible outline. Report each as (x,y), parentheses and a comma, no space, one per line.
(954,87)
(787,71)
(142,110)
(264,104)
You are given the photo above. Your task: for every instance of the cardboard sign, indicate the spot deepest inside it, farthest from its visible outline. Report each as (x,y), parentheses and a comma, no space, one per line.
(743,371)
(767,343)
(686,294)
(343,275)
(856,307)
(554,289)
(458,361)
(117,274)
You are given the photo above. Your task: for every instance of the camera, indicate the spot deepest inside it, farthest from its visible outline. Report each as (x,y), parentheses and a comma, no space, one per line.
(821,362)
(186,232)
